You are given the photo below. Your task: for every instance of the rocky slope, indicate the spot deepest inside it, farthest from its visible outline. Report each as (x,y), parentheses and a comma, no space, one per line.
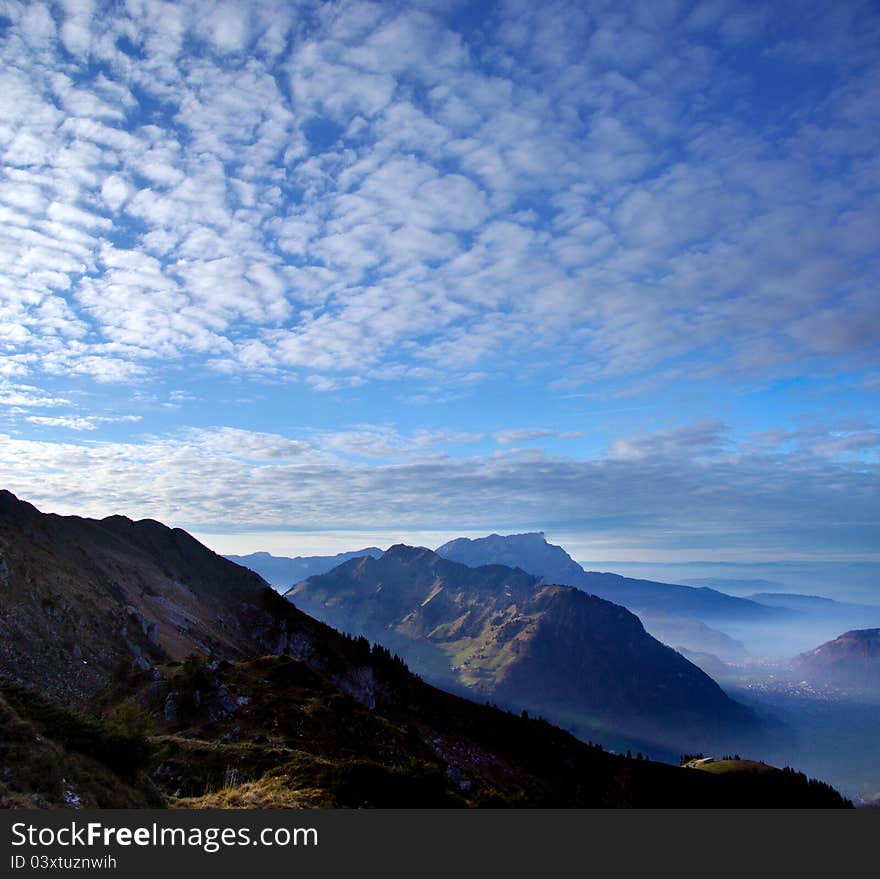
(99,598)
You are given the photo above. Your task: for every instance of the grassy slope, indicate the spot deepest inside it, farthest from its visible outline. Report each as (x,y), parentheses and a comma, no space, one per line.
(52,757)
(719,767)
(291,738)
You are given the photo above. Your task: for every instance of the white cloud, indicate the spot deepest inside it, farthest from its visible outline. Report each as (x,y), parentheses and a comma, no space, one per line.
(79,422)
(351,191)
(695,441)
(227,25)
(664,496)
(28,397)
(77,26)
(72,422)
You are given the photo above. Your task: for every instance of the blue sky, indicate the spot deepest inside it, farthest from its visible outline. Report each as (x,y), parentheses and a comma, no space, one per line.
(300,276)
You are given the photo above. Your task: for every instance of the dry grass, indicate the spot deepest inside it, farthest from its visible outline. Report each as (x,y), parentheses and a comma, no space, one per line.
(269,792)
(720,767)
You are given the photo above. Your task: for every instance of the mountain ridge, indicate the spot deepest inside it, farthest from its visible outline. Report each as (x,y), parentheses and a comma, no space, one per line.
(534,554)
(501,633)
(282,572)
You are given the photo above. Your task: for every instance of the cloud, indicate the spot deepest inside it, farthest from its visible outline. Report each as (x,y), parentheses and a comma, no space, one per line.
(853,440)
(526,434)
(79,422)
(665,496)
(72,422)
(403,206)
(234,443)
(856,442)
(695,441)
(372,442)
(358,188)
(28,397)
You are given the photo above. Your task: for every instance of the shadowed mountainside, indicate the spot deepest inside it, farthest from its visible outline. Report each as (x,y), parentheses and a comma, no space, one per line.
(98,598)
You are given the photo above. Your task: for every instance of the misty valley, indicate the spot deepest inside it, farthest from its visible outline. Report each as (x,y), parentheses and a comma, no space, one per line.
(824,704)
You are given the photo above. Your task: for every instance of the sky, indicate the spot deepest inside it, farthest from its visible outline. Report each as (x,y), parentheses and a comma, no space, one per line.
(309,276)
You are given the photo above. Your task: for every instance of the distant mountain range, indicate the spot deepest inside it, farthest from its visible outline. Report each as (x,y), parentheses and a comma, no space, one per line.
(850,661)
(532,553)
(692,616)
(500,633)
(138,668)
(685,634)
(815,605)
(735,584)
(282,572)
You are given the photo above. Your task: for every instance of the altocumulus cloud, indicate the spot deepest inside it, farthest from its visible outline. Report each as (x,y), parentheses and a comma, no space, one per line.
(312,189)
(595,199)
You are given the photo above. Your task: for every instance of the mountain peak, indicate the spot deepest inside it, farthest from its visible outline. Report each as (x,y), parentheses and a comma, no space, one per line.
(528,551)
(533,554)
(9,503)
(539,536)
(404,551)
(282,572)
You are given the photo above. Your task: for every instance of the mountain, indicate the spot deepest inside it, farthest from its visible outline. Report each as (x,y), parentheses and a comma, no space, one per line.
(282,573)
(815,605)
(530,552)
(734,584)
(696,636)
(138,668)
(851,661)
(673,600)
(500,633)
(533,554)
(103,597)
